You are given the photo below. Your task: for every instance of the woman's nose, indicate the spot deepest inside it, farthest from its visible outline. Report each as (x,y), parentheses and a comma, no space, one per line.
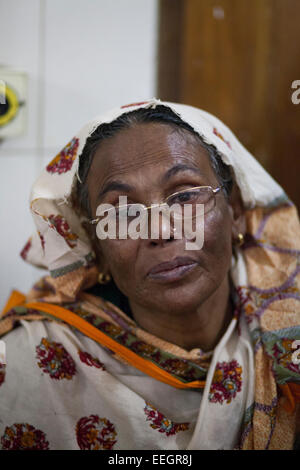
(160,228)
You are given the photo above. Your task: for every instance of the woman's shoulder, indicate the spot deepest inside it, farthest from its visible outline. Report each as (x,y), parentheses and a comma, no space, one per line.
(46,365)
(24,344)
(39,350)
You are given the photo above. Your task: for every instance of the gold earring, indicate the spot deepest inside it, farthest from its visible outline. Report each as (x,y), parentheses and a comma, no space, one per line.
(104,278)
(240,240)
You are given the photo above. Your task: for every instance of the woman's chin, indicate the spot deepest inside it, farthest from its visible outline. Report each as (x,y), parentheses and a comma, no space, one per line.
(181,297)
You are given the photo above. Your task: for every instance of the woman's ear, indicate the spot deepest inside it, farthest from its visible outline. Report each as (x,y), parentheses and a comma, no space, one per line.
(90,230)
(238,213)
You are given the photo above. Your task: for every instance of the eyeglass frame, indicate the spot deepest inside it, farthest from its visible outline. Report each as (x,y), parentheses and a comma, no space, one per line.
(163,203)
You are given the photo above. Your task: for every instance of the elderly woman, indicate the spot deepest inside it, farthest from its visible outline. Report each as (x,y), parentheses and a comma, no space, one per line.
(139,342)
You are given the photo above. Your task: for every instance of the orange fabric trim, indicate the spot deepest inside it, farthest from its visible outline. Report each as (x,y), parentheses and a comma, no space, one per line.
(16,298)
(92,332)
(132,358)
(291,391)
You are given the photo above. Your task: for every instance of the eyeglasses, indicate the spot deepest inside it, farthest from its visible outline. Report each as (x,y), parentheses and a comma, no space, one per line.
(173,204)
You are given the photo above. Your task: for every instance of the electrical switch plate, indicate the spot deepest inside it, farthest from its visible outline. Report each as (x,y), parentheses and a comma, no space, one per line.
(13,97)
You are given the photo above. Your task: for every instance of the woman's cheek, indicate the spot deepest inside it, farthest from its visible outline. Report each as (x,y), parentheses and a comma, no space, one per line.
(120,257)
(217,234)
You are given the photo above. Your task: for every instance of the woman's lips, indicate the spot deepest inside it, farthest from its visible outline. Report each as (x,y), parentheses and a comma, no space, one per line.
(173,270)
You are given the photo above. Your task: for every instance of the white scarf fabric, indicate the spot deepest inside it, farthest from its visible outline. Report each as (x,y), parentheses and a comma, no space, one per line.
(106,404)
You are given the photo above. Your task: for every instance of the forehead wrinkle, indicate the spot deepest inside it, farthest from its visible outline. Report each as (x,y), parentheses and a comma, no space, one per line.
(121,170)
(133,163)
(118,169)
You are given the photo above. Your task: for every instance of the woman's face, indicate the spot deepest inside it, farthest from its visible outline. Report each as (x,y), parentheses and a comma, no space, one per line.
(141,158)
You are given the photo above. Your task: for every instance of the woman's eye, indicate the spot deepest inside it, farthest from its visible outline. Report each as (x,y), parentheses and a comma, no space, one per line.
(184,197)
(121,211)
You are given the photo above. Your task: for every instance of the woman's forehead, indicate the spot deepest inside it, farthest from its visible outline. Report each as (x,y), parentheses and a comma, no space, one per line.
(144,146)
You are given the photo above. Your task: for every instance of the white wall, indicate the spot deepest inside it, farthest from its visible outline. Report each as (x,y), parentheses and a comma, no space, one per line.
(82,57)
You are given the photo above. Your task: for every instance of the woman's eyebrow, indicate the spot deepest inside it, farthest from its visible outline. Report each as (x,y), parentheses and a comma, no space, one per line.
(177,168)
(114,186)
(119,186)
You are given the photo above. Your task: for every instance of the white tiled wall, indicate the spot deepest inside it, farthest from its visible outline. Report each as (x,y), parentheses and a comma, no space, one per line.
(82,57)
(19,48)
